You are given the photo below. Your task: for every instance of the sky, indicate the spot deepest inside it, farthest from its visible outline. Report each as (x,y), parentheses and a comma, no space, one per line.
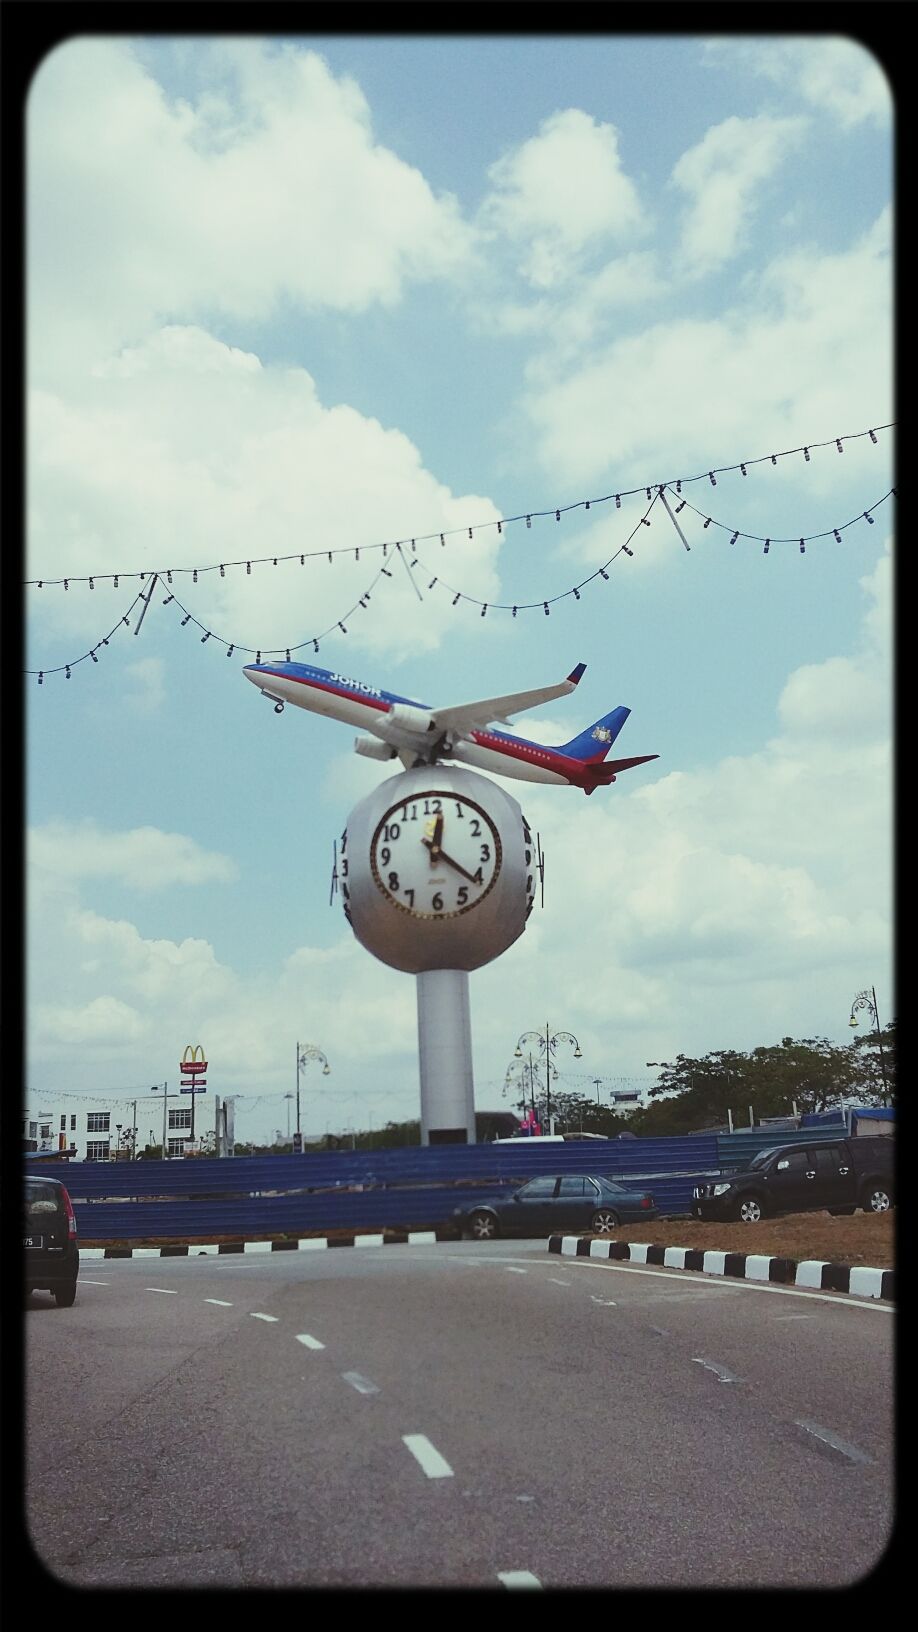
(303,294)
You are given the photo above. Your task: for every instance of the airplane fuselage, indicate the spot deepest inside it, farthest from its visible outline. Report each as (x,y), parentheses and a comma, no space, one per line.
(402,726)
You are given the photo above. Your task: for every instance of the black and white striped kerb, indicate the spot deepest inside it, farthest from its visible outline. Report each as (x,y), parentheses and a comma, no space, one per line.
(859,1279)
(192,1249)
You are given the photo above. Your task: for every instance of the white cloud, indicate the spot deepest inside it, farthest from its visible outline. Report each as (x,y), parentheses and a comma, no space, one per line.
(808,352)
(836,76)
(186,452)
(143,858)
(272,189)
(561,193)
(99,1025)
(722,177)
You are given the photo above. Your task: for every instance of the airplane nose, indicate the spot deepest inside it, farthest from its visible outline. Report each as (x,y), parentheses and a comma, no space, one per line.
(253,673)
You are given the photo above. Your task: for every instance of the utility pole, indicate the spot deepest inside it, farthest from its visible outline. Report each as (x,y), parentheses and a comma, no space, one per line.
(597,1084)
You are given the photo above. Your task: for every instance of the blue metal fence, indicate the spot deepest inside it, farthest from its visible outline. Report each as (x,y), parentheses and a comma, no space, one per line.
(382,1189)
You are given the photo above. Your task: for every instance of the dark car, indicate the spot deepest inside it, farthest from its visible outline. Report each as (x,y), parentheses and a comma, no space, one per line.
(838,1176)
(52,1257)
(572,1201)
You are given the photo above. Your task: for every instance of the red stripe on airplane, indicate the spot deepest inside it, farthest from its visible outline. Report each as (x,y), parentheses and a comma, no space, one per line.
(334,691)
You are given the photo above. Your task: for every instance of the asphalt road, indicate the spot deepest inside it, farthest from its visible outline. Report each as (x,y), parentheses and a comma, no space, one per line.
(458,1415)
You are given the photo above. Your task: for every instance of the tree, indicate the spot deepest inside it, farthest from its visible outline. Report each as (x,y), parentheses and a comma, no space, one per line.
(811,1073)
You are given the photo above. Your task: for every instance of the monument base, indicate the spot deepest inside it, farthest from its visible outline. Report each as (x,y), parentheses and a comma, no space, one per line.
(445,1057)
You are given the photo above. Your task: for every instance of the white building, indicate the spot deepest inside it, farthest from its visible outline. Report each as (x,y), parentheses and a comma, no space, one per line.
(94,1136)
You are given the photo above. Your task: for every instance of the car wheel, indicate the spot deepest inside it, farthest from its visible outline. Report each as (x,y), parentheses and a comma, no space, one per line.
(604,1222)
(65,1295)
(483,1226)
(841,1212)
(750,1210)
(878,1199)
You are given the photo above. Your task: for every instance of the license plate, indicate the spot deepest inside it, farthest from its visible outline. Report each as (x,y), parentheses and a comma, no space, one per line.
(33,1241)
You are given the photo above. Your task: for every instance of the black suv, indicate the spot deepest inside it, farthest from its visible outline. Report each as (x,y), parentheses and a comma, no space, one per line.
(838,1176)
(52,1258)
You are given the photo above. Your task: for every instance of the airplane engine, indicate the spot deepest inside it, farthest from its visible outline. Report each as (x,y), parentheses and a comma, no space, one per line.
(372,748)
(406,719)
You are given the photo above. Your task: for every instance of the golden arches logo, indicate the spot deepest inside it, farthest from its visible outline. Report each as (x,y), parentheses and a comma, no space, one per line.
(193,1058)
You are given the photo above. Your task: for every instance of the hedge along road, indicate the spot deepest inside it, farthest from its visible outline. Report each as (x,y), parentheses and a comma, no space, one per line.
(453,1415)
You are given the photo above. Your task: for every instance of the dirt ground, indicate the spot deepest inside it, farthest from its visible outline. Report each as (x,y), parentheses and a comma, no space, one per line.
(865,1238)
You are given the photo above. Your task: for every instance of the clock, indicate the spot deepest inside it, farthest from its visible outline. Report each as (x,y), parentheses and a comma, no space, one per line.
(436,854)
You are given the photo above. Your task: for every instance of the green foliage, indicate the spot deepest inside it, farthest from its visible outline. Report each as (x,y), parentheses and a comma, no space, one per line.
(812,1073)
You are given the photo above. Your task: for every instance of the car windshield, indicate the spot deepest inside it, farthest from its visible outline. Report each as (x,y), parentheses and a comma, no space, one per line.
(610,1184)
(762,1157)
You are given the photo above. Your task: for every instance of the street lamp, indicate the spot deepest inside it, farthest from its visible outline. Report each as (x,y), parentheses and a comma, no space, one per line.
(547,1046)
(597,1084)
(304,1053)
(868,1000)
(165,1089)
(516,1077)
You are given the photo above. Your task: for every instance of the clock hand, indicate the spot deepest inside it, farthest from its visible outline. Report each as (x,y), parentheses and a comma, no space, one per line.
(433,841)
(459,869)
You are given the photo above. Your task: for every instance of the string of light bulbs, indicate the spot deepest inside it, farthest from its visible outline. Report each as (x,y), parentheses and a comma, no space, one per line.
(65,668)
(527,516)
(546,603)
(436,581)
(231,646)
(801,540)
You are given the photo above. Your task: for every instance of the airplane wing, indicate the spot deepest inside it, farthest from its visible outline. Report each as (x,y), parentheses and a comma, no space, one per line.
(467,717)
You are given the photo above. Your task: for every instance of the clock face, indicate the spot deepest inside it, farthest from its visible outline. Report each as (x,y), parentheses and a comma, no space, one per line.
(435,855)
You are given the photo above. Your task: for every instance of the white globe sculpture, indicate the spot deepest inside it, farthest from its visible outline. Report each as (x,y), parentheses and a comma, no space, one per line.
(437,878)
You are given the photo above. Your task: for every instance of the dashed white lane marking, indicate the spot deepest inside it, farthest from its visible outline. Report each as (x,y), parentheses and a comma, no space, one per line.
(85,1282)
(607,1303)
(274,1318)
(833,1441)
(435,1466)
(167,1291)
(309,1342)
(518,1578)
(556,1282)
(511,1270)
(222,1302)
(362,1384)
(793,1317)
(720,1372)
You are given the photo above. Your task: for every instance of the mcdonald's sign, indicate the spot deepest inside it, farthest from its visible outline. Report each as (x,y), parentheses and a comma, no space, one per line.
(193,1064)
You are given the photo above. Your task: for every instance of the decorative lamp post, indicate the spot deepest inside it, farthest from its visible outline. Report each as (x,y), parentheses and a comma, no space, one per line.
(868,1000)
(165,1091)
(304,1053)
(547,1045)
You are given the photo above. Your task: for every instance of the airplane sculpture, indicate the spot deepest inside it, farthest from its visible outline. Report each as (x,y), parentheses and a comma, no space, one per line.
(420,735)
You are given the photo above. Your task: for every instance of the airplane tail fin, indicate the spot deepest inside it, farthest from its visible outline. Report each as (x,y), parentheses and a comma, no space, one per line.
(594,743)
